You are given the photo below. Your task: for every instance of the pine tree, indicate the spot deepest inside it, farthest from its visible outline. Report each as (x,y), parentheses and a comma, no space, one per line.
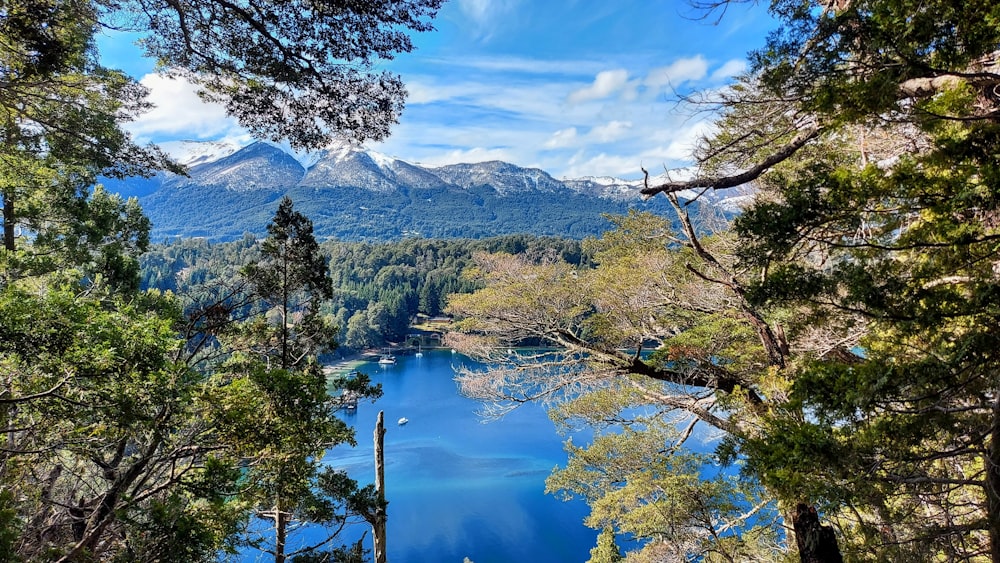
(276,387)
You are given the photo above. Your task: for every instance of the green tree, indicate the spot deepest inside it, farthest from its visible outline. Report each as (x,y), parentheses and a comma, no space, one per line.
(273,395)
(606,550)
(291,278)
(61,128)
(103,434)
(870,131)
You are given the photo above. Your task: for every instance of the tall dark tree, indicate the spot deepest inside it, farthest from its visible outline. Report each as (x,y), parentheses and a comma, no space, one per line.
(274,393)
(292,277)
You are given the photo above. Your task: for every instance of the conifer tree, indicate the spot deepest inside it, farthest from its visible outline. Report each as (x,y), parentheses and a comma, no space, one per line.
(275,393)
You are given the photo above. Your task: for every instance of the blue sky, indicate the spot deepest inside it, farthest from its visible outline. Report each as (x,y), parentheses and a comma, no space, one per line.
(574,87)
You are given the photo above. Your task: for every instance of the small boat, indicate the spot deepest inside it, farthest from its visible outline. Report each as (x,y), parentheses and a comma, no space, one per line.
(387,360)
(419,353)
(403,421)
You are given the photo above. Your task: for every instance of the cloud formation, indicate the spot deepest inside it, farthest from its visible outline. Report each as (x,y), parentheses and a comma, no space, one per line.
(680,71)
(562,138)
(611,131)
(575,88)
(606,84)
(178,112)
(485,15)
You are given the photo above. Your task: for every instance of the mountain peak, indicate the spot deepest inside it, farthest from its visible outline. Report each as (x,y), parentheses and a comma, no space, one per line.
(192,153)
(258,165)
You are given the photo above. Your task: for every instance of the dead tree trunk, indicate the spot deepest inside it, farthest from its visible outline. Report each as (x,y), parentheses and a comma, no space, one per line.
(817,543)
(378,523)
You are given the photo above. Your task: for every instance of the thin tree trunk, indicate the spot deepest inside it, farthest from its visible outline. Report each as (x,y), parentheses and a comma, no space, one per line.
(378,524)
(284,310)
(8,223)
(993,483)
(280,533)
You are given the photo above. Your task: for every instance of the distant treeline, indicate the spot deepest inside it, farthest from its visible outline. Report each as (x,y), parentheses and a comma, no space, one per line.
(379,288)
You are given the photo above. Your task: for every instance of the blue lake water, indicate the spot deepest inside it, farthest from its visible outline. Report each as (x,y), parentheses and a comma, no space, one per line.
(458,487)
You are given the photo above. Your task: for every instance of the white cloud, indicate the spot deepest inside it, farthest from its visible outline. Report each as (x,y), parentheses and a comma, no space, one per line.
(611,131)
(475,9)
(730,69)
(475,154)
(485,14)
(603,164)
(680,71)
(561,138)
(524,65)
(684,140)
(606,83)
(179,110)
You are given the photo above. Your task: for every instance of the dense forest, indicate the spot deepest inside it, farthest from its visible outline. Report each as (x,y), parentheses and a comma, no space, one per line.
(379,289)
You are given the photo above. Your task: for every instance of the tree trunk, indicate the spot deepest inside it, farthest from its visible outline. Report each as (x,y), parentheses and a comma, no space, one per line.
(8,222)
(284,310)
(816,543)
(993,483)
(378,524)
(280,533)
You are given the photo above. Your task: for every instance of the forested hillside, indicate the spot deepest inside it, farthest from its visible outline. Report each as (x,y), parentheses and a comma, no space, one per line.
(378,288)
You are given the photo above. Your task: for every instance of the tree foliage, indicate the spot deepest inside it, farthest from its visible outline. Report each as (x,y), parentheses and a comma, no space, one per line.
(650,288)
(271,395)
(870,131)
(302,71)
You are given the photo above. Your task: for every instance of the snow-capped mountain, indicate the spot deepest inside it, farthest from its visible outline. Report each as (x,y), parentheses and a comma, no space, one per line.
(257,166)
(352,193)
(193,153)
(503,177)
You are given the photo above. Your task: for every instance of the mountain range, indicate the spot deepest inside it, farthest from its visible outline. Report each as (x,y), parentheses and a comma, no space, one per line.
(355,194)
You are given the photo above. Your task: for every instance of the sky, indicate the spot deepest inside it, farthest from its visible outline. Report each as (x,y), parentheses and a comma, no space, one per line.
(573,87)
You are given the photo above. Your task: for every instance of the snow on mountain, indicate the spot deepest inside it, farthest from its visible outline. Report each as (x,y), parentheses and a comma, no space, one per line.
(348,166)
(193,153)
(262,165)
(503,177)
(256,166)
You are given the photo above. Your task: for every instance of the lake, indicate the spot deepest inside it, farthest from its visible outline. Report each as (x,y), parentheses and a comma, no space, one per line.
(458,487)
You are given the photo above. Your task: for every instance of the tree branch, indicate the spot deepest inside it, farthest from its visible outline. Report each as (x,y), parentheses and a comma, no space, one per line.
(724,182)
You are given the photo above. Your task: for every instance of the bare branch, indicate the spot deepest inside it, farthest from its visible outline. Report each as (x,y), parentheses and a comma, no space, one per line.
(725,182)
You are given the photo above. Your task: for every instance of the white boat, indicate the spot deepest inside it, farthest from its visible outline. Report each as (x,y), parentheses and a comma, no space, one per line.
(403,421)
(387,359)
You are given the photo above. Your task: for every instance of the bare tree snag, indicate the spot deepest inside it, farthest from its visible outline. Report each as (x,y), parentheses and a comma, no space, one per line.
(378,523)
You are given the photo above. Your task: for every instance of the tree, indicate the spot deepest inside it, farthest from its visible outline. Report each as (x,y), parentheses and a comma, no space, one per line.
(291,277)
(104,444)
(712,365)
(870,130)
(273,395)
(61,128)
